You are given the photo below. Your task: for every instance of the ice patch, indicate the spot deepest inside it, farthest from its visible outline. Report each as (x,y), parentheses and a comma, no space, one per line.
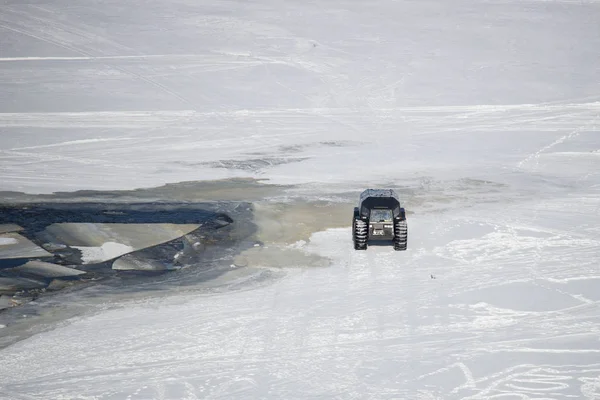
(135,262)
(107,251)
(46,270)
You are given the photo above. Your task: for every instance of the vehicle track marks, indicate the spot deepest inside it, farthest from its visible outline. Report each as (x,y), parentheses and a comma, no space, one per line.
(77,48)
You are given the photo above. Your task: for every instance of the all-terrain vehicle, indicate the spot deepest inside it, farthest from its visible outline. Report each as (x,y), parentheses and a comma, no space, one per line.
(380,218)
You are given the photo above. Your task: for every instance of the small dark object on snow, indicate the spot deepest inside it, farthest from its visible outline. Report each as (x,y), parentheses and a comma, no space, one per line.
(379,217)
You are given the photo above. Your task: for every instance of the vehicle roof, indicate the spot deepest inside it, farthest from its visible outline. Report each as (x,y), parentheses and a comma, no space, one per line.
(378,193)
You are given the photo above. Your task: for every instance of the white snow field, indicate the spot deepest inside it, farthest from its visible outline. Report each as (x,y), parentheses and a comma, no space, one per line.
(484,115)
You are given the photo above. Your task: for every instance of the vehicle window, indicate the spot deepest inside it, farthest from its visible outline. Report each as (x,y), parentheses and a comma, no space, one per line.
(381,215)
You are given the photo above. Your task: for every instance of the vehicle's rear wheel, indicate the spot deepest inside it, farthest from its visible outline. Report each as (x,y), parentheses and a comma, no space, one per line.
(400,235)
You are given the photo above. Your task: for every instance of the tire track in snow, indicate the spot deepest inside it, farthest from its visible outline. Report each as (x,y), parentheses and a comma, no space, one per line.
(78,49)
(99,119)
(535,156)
(84,142)
(44,157)
(41,38)
(523,380)
(472,118)
(52,27)
(101,58)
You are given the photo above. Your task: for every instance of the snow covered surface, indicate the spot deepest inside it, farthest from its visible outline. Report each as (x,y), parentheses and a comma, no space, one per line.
(114,96)
(107,251)
(480,306)
(483,114)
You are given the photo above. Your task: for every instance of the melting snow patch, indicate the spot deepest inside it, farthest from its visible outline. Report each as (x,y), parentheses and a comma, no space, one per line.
(107,251)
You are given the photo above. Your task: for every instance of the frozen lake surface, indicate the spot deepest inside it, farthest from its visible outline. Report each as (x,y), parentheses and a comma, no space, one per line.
(483,115)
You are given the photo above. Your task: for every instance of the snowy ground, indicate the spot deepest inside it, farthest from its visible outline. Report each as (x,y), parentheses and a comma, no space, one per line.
(114,96)
(483,114)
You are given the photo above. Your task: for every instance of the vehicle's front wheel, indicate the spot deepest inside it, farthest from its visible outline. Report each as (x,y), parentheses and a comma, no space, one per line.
(360,234)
